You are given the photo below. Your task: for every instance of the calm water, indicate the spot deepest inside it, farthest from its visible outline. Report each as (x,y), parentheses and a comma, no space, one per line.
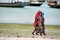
(26,14)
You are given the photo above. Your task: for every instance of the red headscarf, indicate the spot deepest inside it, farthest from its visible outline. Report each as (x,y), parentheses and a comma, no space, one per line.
(36,16)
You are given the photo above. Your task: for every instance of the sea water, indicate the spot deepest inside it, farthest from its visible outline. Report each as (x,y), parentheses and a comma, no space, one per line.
(26,15)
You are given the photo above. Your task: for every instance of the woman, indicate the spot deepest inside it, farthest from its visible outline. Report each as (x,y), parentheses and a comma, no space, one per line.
(42,22)
(37,22)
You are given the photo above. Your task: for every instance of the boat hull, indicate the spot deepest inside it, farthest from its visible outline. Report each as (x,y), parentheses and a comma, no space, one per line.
(54,6)
(12,5)
(35,4)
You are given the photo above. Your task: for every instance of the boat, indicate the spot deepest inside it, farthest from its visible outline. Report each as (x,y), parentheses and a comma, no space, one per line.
(13,4)
(36,2)
(54,4)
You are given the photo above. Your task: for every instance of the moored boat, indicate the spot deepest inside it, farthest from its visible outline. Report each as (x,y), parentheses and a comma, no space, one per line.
(54,4)
(36,2)
(15,4)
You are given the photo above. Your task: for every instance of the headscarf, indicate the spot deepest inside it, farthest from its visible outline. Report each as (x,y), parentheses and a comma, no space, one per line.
(42,14)
(38,14)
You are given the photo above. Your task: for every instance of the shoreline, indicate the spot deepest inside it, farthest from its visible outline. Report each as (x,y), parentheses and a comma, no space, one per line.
(29,24)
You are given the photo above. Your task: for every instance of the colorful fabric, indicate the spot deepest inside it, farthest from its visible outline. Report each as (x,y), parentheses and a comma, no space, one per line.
(36,17)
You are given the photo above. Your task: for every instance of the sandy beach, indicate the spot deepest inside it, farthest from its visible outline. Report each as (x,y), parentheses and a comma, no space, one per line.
(23,32)
(15,38)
